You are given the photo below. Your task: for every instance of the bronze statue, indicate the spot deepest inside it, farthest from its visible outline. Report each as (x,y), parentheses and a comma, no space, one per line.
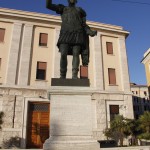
(73,38)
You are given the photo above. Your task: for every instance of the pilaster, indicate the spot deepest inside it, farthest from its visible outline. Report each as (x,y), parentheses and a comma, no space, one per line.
(56,56)
(13,54)
(25,56)
(98,63)
(100,116)
(124,65)
(129,106)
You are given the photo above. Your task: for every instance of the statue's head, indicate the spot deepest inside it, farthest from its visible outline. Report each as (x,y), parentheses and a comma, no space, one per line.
(72,1)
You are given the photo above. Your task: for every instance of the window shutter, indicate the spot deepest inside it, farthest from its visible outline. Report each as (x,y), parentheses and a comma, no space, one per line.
(41,65)
(43,39)
(112,76)
(2,34)
(109,46)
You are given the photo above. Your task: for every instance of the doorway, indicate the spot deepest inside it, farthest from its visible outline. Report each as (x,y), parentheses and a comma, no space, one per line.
(38,124)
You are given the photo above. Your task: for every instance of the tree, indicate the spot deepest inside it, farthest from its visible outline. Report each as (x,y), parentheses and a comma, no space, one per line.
(144,121)
(118,129)
(133,130)
(122,127)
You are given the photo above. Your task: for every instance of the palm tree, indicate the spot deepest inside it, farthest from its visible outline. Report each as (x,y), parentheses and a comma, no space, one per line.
(144,121)
(118,129)
(133,130)
(119,126)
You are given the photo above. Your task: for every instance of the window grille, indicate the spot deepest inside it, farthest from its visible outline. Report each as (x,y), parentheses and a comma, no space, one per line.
(39,107)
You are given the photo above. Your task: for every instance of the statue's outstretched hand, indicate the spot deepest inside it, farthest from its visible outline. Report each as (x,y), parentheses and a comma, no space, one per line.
(92,33)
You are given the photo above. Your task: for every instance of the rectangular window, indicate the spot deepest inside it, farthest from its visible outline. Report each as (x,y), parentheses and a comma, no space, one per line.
(114,110)
(145,93)
(2,34)
(109,46)
(41,70)
(112,76)
(43,39)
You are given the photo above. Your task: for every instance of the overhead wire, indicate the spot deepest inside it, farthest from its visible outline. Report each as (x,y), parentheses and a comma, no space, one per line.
(126,1)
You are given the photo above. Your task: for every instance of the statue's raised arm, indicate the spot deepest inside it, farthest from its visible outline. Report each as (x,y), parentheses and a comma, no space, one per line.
(49,4)
(58,8)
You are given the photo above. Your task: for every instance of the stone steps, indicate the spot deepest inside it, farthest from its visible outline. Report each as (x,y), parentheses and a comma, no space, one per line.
(128,148)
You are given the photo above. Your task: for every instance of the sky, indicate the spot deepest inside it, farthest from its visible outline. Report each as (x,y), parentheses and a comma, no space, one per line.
(132,15)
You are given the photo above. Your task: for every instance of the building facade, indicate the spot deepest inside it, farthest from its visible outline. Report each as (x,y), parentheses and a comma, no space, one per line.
(141,101)
(29,59)
(146,62)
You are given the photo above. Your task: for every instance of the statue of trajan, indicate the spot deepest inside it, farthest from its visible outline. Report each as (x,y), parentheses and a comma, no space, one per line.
(74,36)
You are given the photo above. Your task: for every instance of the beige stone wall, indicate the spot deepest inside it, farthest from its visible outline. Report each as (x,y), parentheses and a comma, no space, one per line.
(146,62)
(111,61)
(42,54)
(147,70)
(12,103)
(103,101)
(4,49)
(139,91)
(25,52)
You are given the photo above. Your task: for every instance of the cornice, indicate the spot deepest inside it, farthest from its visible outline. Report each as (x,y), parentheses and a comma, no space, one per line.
(55,90)
(58,90)
(146,58)
(34,16)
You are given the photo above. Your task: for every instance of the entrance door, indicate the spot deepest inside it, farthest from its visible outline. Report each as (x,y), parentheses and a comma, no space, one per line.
(38,124)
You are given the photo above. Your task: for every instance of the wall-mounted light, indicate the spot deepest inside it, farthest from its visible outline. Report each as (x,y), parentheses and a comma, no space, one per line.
(122,107)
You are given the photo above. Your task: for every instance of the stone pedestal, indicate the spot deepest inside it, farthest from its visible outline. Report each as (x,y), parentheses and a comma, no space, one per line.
(71,120)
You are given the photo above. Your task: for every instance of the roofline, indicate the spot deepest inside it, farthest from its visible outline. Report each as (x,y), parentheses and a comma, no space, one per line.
(54,18)
(138,86)
(145,57)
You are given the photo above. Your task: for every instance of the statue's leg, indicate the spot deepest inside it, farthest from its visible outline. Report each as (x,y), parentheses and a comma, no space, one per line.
(75,61)
(63,60)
